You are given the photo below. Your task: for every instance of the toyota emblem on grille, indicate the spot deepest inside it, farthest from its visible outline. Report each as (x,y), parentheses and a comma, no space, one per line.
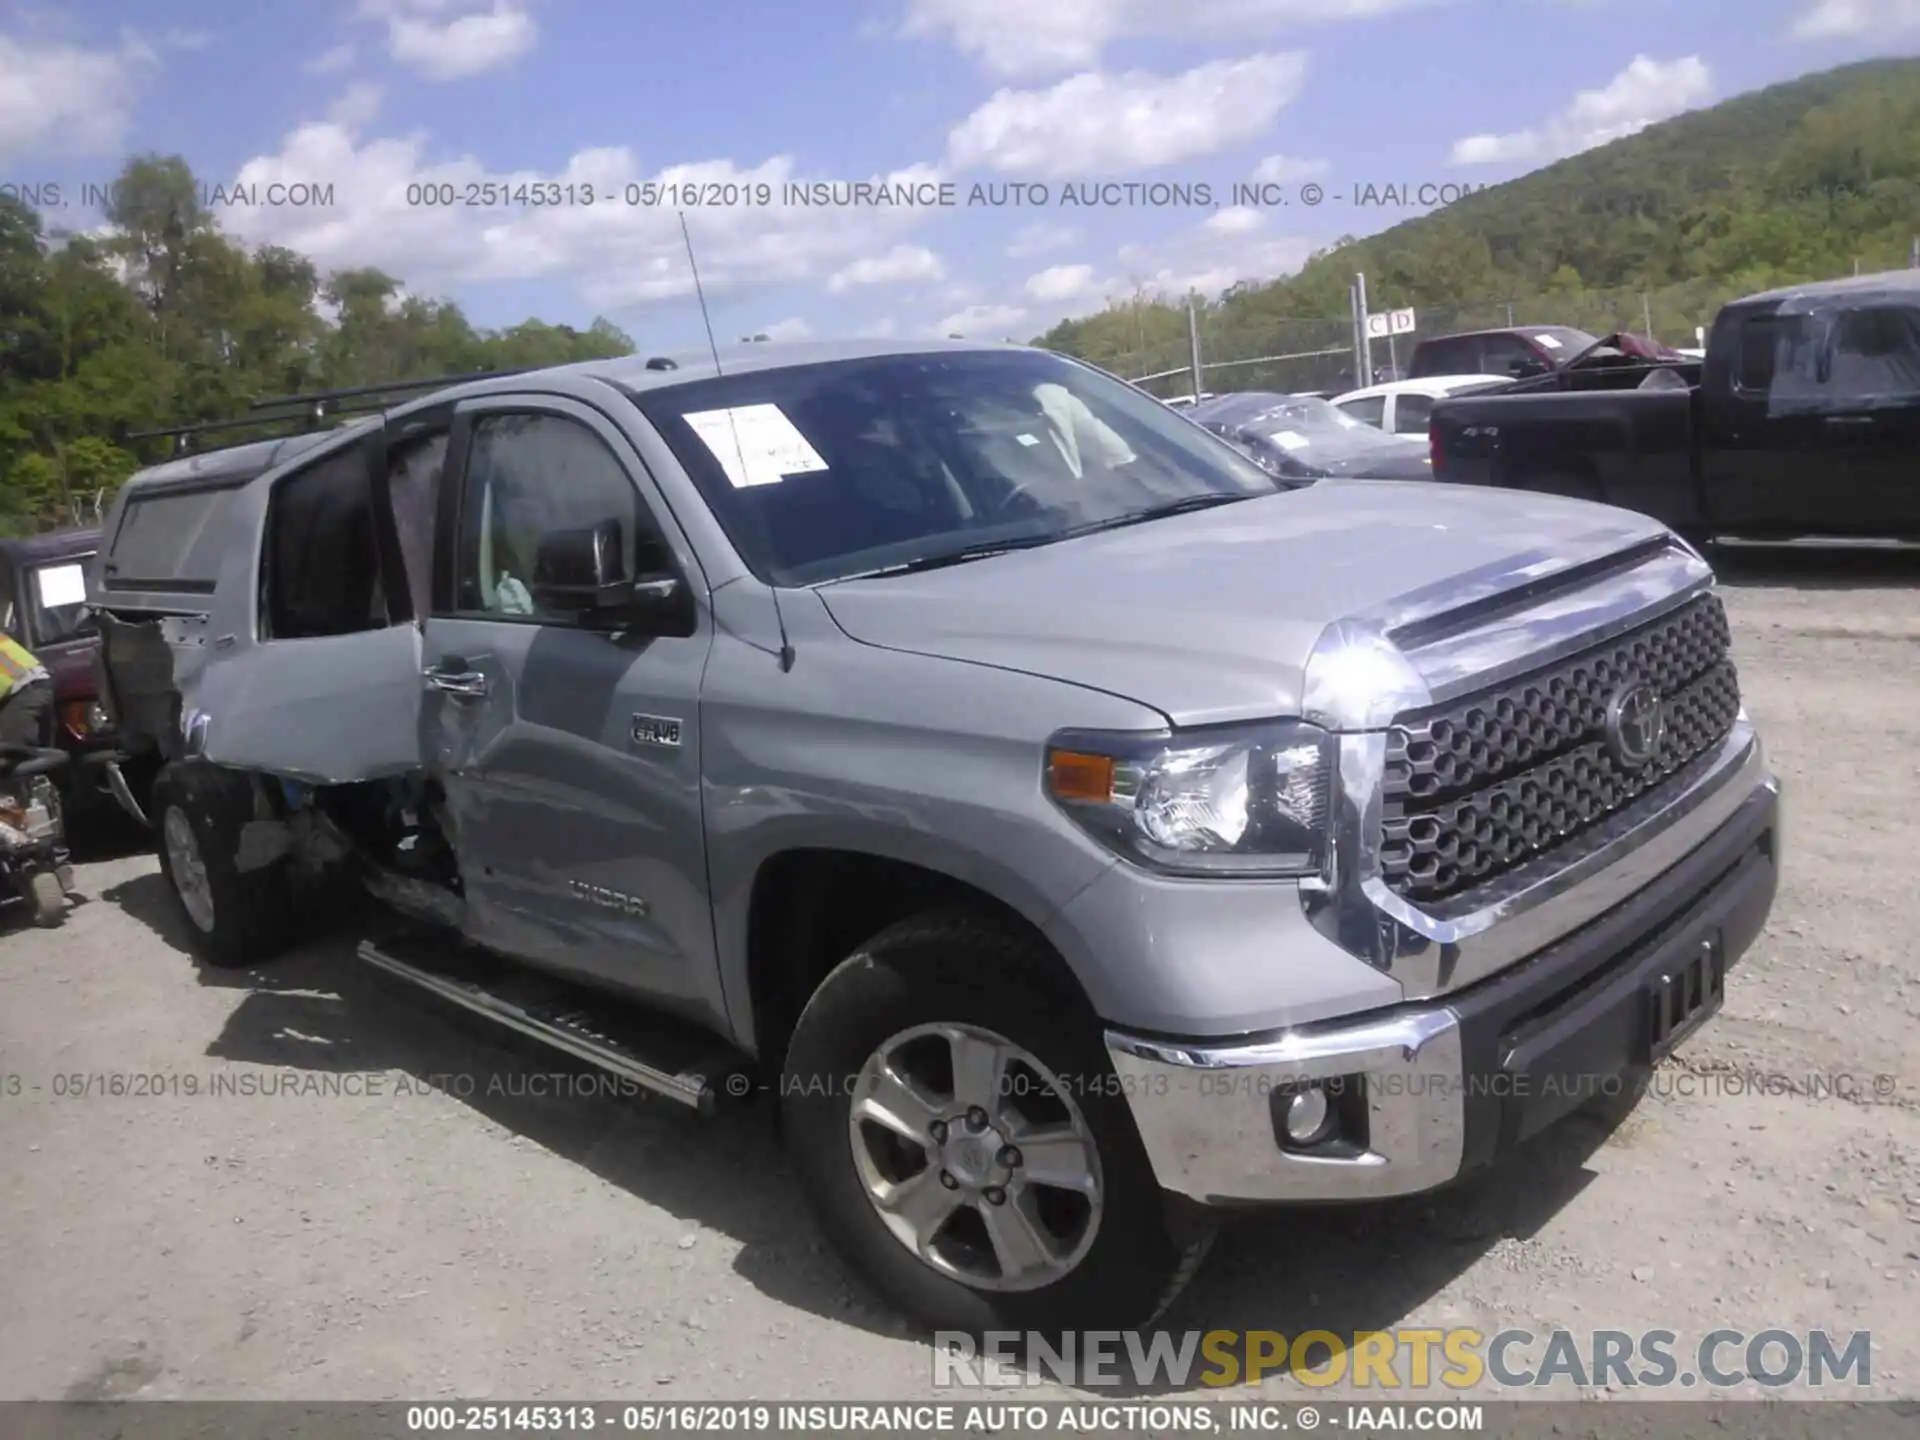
(1636,724)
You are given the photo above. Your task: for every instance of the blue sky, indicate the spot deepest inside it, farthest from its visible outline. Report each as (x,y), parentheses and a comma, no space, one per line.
(372,99)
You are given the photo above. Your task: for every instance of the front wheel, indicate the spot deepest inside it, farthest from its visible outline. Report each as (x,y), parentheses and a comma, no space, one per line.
(951,1112)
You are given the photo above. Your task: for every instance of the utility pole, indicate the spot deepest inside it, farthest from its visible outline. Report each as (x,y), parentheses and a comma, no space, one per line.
(1366,340)
(1193,342)
(1646,316)
(1353,331)
(1913,254)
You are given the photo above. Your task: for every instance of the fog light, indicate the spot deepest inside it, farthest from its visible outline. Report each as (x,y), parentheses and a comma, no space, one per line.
(1308,1117)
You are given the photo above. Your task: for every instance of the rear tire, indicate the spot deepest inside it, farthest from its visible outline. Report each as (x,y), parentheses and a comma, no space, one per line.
(233,919)
(1096,1243)
(49,899)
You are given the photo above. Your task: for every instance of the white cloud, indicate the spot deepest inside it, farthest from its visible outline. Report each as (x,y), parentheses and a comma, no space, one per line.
(1646,91)
(902,263)
(793,328)
(1210,257)
(1096,124)
(66,97)
(1207,257)
(1835,19)
(617,254)
(1061,284)
(1039,238)
(982,322)
(332,62)
(453,39)
(1285,169)
(1020,38)
(1235,220)
(358,106)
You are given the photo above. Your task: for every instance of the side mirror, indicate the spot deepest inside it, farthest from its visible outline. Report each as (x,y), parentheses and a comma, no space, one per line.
(581,570)
(584,572)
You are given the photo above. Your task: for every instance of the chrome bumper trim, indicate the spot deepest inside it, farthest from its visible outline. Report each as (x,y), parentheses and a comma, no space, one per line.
(1205,1118)
(1430,956)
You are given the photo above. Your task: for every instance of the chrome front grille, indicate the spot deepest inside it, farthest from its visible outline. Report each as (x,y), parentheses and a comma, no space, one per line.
(1482,786)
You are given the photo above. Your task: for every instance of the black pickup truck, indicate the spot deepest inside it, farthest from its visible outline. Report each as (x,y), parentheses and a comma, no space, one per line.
(1803,422)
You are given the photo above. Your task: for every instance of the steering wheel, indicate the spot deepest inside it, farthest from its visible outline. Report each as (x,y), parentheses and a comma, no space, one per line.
(1014,492)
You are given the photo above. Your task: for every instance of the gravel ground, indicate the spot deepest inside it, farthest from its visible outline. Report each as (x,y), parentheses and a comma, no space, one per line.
(408,1241)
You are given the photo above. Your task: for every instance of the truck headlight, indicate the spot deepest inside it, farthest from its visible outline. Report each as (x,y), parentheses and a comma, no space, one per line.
(1235,800)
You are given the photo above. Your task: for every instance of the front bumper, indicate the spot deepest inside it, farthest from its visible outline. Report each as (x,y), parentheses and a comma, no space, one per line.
(1430,1091)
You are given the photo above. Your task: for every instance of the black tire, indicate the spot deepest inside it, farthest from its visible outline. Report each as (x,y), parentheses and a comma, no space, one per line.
(956,967)
(251,916)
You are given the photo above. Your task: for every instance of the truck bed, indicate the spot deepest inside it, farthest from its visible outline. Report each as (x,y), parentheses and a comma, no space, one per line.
(1633,448)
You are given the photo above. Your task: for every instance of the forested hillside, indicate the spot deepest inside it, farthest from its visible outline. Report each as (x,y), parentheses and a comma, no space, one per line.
(165,321)
(1803,180)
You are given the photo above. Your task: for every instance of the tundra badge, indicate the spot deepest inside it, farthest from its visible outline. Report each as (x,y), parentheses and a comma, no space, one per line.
(608,899)
(661,730)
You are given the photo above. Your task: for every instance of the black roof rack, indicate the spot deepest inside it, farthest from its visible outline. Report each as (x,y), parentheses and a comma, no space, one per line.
(398,387)
(317,406)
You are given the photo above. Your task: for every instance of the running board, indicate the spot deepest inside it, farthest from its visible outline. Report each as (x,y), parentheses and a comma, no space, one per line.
(667,1058)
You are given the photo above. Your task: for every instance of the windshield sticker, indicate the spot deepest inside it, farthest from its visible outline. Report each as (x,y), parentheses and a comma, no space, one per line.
(1548,341)
(1291,439)
(755,444)
(61,585)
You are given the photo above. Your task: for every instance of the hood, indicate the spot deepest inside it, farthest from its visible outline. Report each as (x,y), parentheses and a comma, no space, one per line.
(1212,616)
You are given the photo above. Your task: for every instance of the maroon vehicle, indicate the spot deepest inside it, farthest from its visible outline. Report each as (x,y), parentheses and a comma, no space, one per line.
(44,593)
(1528,352)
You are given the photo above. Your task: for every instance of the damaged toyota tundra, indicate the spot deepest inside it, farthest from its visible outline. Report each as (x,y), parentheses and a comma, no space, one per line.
(1071,829)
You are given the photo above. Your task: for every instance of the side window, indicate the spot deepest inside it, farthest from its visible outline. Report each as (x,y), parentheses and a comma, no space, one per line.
(1445,357)
(1758,356)
(10,618)
(322,557)
(414,468)
(1370,410)
(1410,413)
(1504,355)
(168,541)
(528,476)
(1875,356)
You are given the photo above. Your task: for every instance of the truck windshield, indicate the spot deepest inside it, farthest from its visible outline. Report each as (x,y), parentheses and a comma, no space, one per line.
(57,602)
(822,471)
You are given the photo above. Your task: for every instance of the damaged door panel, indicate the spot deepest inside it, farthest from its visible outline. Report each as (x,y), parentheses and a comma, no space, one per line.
(578,826)
(314,668)
(328,711)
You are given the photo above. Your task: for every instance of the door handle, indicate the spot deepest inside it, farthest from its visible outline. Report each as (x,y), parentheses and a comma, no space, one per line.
(467,684)
(1847,419)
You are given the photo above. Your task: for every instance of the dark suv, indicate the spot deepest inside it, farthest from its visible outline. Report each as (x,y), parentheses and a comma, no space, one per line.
(44,591)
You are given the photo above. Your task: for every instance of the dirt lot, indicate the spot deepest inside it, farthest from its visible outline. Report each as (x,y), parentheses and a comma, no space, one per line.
(409,1242)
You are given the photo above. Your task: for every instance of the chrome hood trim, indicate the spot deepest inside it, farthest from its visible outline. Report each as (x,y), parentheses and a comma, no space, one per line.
(1486,626)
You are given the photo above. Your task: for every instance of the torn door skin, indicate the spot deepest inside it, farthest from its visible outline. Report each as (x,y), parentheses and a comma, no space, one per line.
(327,711)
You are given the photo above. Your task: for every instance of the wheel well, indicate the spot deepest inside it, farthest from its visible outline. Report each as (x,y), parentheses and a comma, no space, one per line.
(812,908)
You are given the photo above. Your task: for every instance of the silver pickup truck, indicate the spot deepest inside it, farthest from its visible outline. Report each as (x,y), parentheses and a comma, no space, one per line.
(1070,827)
